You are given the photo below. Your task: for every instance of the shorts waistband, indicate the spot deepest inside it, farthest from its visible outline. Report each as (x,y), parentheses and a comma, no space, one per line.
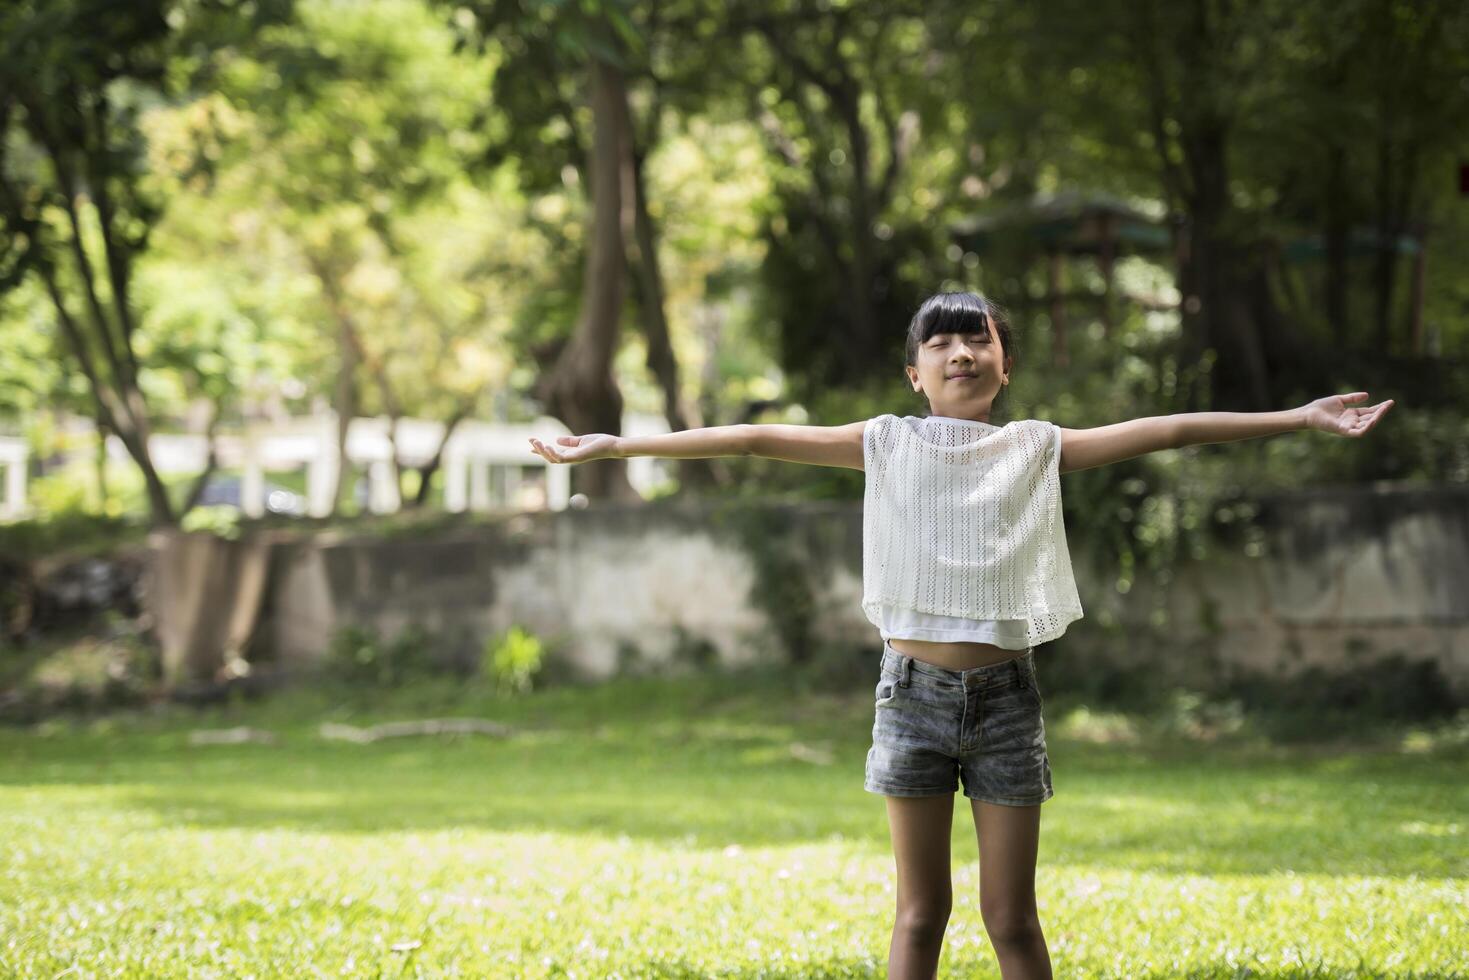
(991,675)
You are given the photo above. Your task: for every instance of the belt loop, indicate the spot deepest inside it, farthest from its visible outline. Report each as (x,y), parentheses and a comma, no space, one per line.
(907,671)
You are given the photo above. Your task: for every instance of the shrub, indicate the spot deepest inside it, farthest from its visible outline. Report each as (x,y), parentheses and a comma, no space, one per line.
(218,519)
(513,659)
(359,655)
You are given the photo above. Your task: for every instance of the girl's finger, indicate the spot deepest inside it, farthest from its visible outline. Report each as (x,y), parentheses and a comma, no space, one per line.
(568,440)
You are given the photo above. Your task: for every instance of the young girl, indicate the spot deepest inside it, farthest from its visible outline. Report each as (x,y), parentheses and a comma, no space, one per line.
(965,570)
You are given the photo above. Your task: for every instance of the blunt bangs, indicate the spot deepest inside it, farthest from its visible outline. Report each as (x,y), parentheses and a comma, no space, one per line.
(962,313)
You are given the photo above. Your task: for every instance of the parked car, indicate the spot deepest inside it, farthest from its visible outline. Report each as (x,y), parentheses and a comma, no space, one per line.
(223,489)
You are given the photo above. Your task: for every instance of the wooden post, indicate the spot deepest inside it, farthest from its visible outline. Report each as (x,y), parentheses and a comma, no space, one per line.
(1055,285)
(1415,321)
(1106,261)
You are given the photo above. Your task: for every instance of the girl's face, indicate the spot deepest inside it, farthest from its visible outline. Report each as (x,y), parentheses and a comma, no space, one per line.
(961,373)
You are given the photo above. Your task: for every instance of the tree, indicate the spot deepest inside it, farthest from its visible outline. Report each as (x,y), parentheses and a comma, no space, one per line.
(842,94)
(73,77)
(590,58)
(346,127)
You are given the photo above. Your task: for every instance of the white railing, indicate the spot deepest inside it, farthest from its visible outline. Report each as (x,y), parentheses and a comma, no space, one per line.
(13,455)
(472,457)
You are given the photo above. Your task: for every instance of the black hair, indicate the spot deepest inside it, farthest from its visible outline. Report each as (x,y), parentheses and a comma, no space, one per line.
(956,313)
(959,313)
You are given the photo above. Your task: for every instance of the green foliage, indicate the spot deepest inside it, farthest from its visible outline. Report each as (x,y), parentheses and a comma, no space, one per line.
(76,204)
(693,653)
(218,519)
(73,532)
(1370,695)
(690,654)
(110,664)
(58,494)
(546,46)
(512,660)
(33,371)
(773,539)
(426,160)
(359,655)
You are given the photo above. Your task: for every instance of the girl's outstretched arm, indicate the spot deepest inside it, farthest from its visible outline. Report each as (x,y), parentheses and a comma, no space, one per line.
(1084,448)
(715,440)
(823,445)
(1329,414)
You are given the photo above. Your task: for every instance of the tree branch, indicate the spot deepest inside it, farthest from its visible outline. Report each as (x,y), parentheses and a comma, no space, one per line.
(67,181)
(210,464)
(117,262)
(1175,181)
(783,145)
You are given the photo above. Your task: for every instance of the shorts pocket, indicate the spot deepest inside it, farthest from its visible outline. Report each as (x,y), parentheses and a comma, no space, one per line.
(1033,690)
(887,691)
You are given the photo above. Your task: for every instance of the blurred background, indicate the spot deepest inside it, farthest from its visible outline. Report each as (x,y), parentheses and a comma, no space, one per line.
(309,665)
(275,271)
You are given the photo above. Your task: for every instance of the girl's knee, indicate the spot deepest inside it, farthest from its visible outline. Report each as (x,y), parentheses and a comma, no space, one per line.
(924,923)
(1012,929)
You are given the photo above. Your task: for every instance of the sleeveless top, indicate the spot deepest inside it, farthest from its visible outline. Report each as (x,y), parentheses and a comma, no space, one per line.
(962,532)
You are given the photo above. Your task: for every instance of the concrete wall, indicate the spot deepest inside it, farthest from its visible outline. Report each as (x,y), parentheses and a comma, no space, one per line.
(1345,578)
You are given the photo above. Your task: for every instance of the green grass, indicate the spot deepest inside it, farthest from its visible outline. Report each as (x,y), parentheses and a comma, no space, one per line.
(663,827)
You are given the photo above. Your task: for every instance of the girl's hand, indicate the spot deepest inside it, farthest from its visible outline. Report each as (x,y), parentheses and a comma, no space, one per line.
(577,449)
(1331,414)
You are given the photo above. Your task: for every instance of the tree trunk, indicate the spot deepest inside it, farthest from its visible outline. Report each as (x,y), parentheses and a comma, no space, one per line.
(1395,193)
(638,228)
(1338,225)
(580,389)
(1107,268)
(1183,76)
(345,403)
(211,463)
(349,352)
(117,402)
(864,258)
(160,508)
(101,466)
(1055,285)
(1415,318)
(1385,266)
(118,410)
(1216,309)
(427,471)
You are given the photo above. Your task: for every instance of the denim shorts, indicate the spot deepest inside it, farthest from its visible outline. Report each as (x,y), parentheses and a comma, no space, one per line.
(936,727)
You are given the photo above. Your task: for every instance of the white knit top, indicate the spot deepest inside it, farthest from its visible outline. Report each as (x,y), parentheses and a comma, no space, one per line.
(962,531)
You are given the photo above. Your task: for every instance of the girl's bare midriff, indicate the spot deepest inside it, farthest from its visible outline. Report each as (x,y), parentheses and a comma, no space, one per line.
(963,655)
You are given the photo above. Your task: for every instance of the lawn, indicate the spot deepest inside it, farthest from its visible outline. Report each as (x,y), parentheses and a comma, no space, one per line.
(707,826)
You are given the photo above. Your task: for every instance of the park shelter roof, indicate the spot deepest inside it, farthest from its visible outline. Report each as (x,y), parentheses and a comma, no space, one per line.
(1077,222)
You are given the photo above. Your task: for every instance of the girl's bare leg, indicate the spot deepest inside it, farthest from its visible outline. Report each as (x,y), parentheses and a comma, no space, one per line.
(920,828)
(1009,837)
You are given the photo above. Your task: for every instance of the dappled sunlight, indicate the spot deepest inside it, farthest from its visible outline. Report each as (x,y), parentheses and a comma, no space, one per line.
(700,825)
(484,895)
(1101,727)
